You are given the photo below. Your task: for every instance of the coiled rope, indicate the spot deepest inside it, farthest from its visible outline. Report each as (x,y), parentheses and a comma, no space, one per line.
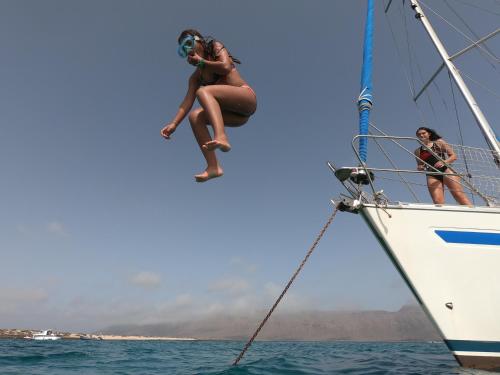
(318,238)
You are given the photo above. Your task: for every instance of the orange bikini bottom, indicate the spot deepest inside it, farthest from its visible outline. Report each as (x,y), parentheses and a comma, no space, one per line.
(248,87)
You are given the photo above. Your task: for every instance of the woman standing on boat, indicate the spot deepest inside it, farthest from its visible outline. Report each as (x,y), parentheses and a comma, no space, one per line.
(225,98)
(426,160)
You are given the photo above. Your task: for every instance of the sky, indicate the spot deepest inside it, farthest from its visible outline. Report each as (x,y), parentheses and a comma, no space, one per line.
(101,221)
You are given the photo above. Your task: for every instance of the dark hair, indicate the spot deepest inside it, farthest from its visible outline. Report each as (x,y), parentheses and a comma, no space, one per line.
(208,44)
(434,136)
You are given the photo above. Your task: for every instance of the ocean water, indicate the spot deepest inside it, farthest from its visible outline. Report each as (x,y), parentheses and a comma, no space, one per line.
(215,357)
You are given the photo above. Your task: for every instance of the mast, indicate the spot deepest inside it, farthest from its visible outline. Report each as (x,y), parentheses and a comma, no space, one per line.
(365,99)
(481,120)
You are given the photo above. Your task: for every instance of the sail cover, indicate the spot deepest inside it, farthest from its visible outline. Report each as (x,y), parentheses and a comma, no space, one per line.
(365,99)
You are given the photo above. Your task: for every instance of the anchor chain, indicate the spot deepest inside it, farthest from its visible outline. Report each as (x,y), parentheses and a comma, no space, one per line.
(315,243)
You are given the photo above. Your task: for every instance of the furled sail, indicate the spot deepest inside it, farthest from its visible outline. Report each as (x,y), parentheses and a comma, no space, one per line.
(365,99)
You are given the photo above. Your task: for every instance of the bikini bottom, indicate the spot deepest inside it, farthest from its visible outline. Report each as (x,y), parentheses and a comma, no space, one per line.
(248,87)
(255,95)
(439,177)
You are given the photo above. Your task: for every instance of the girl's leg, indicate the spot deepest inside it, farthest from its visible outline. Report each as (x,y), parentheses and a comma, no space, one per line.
(199,124)
(453,184)
(217,99)
(436,189)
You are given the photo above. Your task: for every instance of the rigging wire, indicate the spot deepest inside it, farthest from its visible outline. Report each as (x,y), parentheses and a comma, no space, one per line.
(466,163)
(473,33)
(405,71)
(409,72)
(477,7)
(440,95)
(413,57)
(485,53)
(484,87)
(494,58)
(400,58)
(403,16)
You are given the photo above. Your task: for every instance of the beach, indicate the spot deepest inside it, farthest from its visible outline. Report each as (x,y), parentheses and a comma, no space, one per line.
(15,333)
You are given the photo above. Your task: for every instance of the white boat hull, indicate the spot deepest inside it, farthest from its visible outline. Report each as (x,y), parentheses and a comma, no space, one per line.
(46,338)
(450,258)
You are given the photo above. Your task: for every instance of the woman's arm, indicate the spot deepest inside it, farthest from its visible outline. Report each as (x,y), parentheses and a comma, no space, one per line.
(420,163)
(448,149)
(185,107)
(187,103)
(222,66)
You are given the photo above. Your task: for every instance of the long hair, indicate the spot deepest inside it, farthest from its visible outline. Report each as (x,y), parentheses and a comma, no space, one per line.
(434,136)
(208,44)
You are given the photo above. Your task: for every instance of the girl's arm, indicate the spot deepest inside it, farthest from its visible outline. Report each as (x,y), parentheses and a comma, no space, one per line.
(187,103)
(222,66)
(185,107)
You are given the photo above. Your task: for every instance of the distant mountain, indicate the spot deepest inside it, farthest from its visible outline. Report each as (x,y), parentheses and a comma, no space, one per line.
(408,324)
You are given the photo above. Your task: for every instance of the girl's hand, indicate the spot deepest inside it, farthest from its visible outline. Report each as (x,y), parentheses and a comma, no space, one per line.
(420,167)
(439,164)
(168,130)
(194,58)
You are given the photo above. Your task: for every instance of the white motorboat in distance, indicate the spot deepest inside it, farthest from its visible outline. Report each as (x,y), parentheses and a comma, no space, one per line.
(44,336)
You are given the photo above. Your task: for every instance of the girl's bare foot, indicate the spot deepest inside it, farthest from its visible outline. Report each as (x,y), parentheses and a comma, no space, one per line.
(215,144)
(208,175)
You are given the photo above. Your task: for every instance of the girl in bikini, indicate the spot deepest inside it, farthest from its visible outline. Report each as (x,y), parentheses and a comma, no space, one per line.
(426,160)
(225,98)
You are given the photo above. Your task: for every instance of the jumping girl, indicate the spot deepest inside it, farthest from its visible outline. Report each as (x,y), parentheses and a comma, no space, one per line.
(225,98)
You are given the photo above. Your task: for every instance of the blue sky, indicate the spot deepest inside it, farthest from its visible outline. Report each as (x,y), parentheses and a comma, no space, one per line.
(101,220)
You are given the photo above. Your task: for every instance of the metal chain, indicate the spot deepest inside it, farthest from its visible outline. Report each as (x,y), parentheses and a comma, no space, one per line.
(318,238)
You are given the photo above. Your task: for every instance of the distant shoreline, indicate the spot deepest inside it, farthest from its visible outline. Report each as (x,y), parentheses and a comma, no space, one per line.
(146,338)
(407,324)
(18,334)
(23,333)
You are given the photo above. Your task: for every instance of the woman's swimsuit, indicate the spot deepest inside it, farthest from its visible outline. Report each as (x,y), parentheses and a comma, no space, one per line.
(430,159)
(248,87)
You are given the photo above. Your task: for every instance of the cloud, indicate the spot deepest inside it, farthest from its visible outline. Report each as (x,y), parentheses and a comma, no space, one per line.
(243,264)
(146,280)
(273,290)
(230,286)
(183,300)
(14,299)
(57,228)
(292,301)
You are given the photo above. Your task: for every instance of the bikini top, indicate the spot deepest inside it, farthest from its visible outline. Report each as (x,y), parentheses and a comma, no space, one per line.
(428,157)
(213,81)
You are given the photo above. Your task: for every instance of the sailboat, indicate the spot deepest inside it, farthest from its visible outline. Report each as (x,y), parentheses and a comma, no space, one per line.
(447,254)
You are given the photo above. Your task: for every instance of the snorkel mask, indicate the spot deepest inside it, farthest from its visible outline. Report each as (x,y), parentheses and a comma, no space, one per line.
(187,45)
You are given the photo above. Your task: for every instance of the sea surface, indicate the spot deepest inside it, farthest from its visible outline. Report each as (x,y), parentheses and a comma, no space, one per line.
(215,357)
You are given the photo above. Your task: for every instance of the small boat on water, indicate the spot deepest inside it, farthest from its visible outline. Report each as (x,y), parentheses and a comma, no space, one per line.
(90,337)
(44,336)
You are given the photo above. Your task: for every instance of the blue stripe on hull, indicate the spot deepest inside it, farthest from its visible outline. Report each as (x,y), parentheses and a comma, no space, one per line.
(471,238)
(473,346)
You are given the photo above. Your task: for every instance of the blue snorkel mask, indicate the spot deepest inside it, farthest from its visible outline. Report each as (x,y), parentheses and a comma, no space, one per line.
(187,45)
